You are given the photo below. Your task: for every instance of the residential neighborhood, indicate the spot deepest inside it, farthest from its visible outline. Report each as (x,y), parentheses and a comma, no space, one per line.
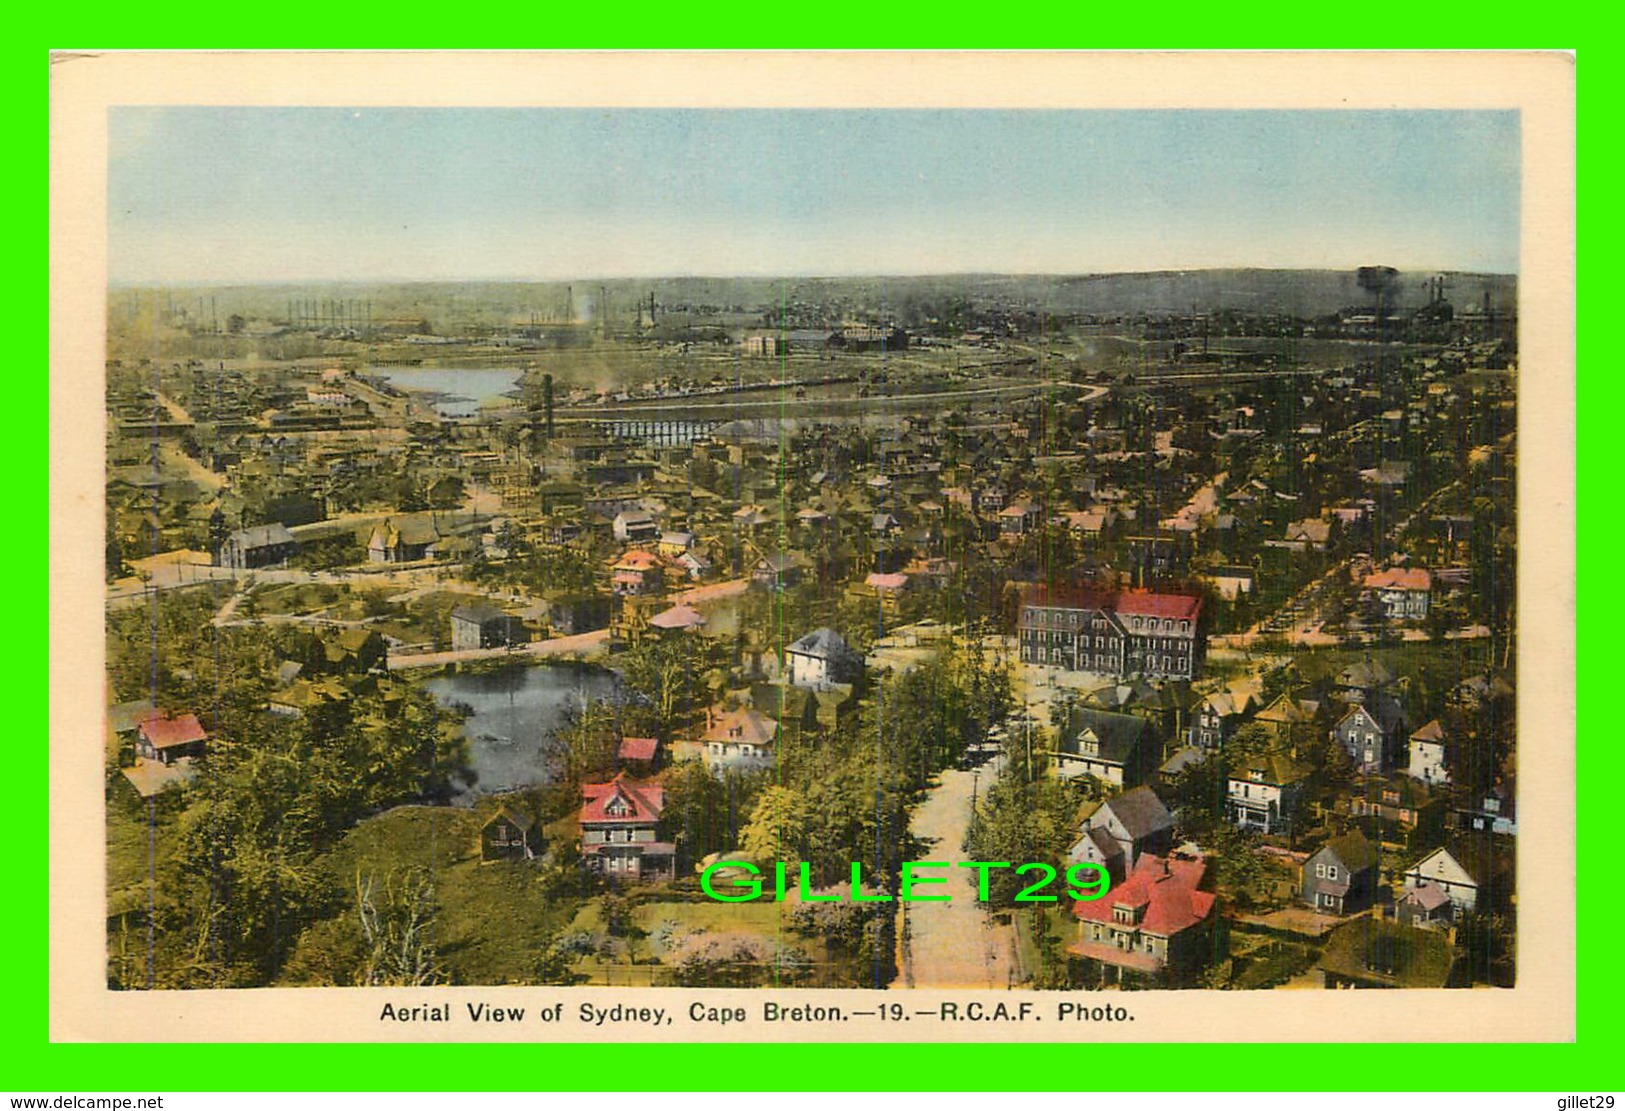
(453,631)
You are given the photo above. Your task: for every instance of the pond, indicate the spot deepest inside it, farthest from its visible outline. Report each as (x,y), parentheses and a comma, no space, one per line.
(458,391)
(516,710)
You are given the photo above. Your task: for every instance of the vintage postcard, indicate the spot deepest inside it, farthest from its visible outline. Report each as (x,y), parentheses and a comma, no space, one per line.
(713,547)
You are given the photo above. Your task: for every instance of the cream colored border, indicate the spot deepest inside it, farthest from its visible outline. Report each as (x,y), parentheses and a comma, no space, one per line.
(1541,86)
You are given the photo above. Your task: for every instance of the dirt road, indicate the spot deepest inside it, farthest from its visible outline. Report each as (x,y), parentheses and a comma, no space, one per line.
(951,945)
(585,645)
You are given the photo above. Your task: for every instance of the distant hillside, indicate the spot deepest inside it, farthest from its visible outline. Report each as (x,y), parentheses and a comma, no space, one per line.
(1305,293)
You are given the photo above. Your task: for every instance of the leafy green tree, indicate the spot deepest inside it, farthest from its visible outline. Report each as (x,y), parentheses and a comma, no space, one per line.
(699,808)
(1021,822)
(590,742)
(777,829)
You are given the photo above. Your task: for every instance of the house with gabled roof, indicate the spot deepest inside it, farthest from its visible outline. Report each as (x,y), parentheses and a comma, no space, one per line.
(261,546)
(1363,677)
(1289,718)
(350,651)
(1111,747)
(1220,713)
(167,739)
(776,571)
(742,738)
(694,563)
(1156,927)
(404,541)
(1424,906)
(1442,871)
(1263,792)
(1019,518)
(1118,831)
(1341,877)
(509,835)
(620,831)
(1369,732)
(1311,532)
(640,754)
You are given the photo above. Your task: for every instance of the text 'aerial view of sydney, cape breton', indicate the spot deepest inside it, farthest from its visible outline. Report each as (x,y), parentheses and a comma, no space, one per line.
(1031,550)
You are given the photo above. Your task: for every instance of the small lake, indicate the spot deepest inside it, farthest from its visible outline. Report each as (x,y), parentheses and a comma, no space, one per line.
(461,390)
(516,710)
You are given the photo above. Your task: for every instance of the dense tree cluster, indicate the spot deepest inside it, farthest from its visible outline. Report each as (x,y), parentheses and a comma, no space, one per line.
(275,792)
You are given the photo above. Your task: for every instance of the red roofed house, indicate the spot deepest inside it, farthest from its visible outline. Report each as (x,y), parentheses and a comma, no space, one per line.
(620,829)
(1156,926)
(1403,592)
(887,589)
(640,752)
(1127,635)
(167,739)
(678,619)
(638,572)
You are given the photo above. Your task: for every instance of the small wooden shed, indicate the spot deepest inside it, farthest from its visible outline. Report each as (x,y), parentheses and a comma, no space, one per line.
(507,835)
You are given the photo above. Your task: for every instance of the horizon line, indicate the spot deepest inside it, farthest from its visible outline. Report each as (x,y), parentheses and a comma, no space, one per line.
(131,283)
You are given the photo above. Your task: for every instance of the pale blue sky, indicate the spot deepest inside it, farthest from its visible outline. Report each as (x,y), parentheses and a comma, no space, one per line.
(274,194)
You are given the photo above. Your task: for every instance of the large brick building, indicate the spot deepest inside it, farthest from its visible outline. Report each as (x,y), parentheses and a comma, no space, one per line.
(1127,634)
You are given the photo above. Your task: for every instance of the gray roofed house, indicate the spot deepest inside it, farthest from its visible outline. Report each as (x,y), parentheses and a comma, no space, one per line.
(1370,732)
(126,717)
(822,659)
(1121,829)
(776,571)
(1341,878)
(1365,675)
(1187,757)
(483,626)
(1425,906)
(1107,746)
(1141,812)
(509,835)
(260,546)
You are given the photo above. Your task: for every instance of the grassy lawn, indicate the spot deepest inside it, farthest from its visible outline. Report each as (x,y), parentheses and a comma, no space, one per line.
(639,962)
(428,618)
(760,917)
(493,918)
(337,601)
(127,838)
